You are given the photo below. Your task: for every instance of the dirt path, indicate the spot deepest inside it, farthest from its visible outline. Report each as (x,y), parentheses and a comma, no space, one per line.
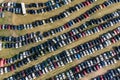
(1,1)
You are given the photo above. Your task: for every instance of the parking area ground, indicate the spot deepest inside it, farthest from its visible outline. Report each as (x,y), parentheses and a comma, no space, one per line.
(19,19)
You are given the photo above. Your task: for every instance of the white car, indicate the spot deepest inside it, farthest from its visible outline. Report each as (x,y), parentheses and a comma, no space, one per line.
(28,59)
(63,75)
(106,64)
(5,69)
(33,75)
(87,52)
(67,52)
(69,40)
(63,42)
(21,56)
(61,62)
(51,20)
(57,77)
(20,44)
(1,71)
(30,26)
(105,56)
(67,60)
(88,63)
(101,57)
(58,63)
(114,60)
(60,44)
(61,36)
(30,77)
(66,15)
(24,26)
(101,46)
(0,46)
(46,70)
(26,78)
(24,55)
(70,59)
(60,77)
(77,8)
(36,39)
(71,51)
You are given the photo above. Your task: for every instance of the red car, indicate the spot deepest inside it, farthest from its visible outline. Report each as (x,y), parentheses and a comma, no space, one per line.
(91,45)
(117,31)
(12,68)
(1,9)
(84,72)
(66,26)
(71,33)
(101,77)
(97,67)
(86,15)
(83,34)
(77,69)
(0,27)
(101,39)
(113,40)
(88,3)
(99,27)
(8,27)
(78,19)
(40,72)
(103,6)
(114,53)
(23,73)
(55,64)
(2,62)
(75,38)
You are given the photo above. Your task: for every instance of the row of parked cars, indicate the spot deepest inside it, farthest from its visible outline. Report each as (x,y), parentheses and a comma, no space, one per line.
(23,39)
(35,5)
(1,13)
(12,7)
(31,5)
(86,24)
(112,74)
(102,38)
(43,45)
(64,39)
(116,31)
(37,51)
(78,19)
(76,7)
(23,42)
(61,59)
(17,9)
(20,38)
(10,4)
(41,22)
(41,49)
(49,8)
(75,73)
(52,44)
(39,69)
(50,20)
(47,4)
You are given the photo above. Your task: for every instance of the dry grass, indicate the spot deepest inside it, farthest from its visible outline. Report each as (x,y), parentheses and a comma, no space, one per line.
(19,19)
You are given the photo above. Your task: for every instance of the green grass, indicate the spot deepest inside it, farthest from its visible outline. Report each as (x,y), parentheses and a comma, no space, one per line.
(2,20)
